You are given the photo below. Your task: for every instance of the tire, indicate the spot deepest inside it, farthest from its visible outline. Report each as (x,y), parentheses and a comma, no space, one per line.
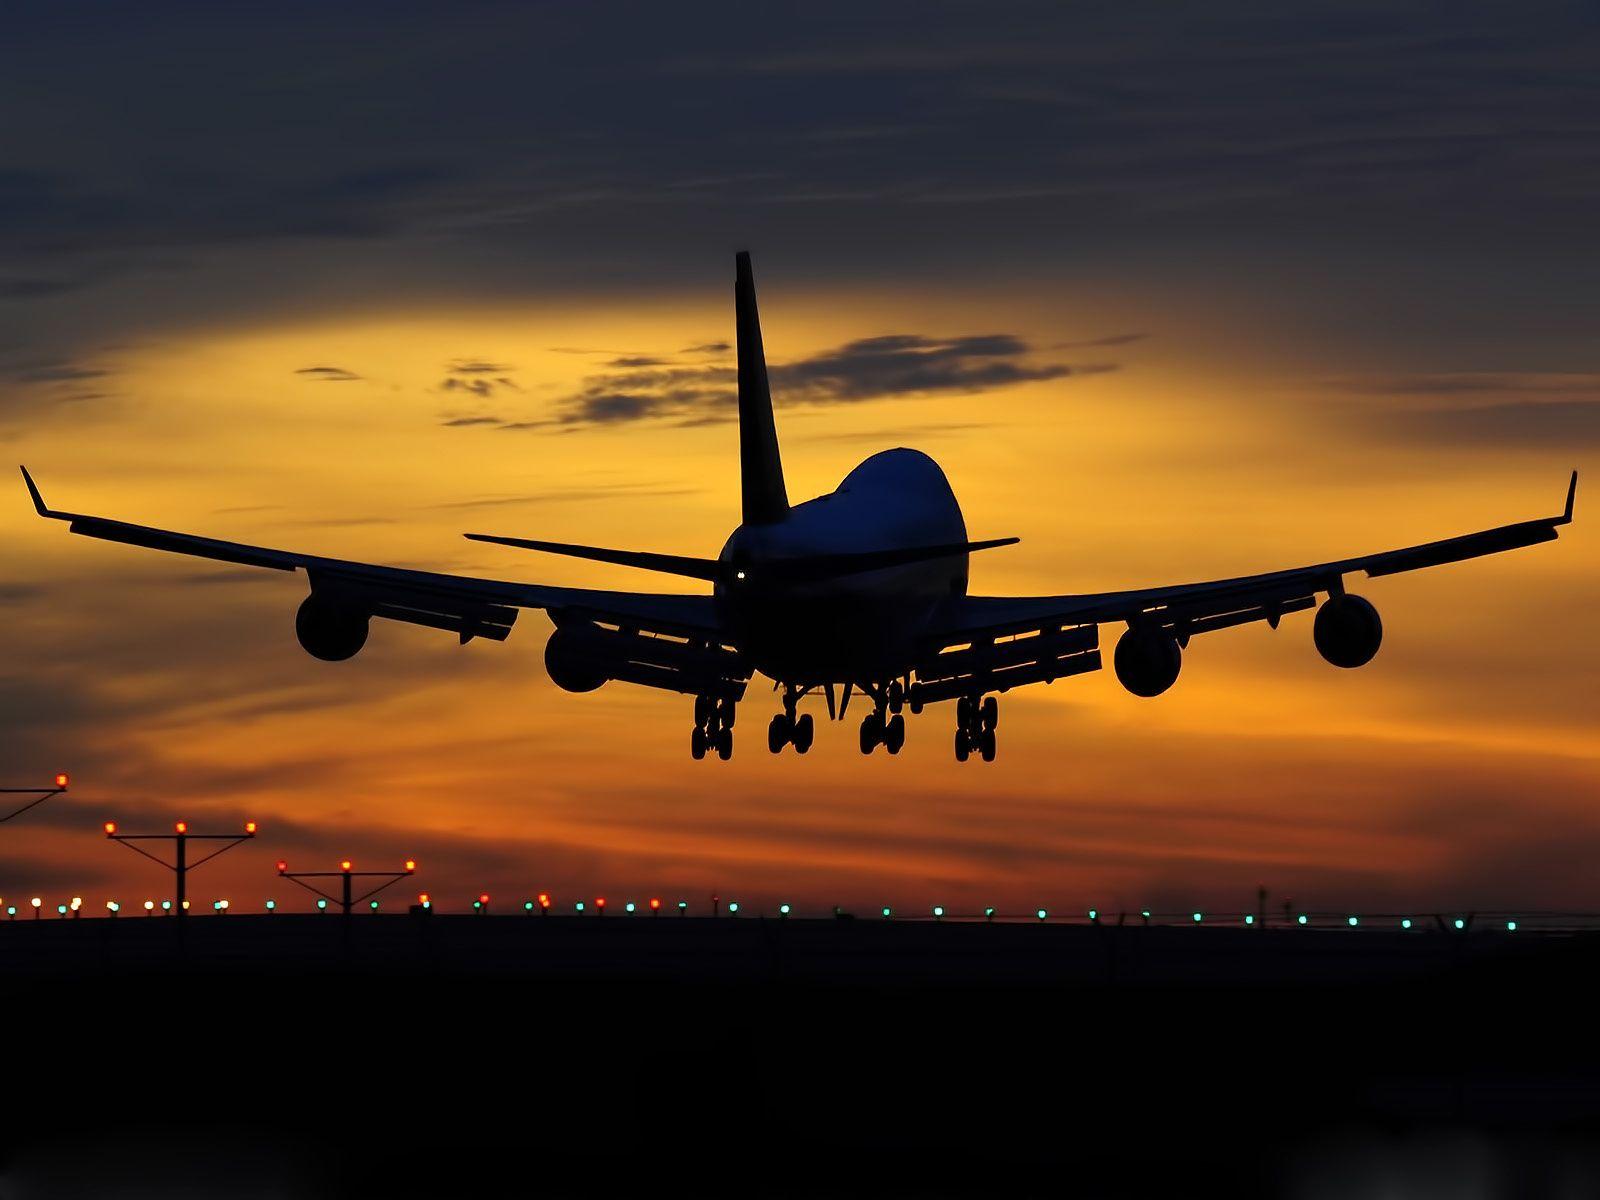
(991,712)
(986,745)
(964,708)
(869,736)
(726,711)
(962,747)
(778,733)
(725,744)
(697,744)
(894,736)
(702,709)
(804,730)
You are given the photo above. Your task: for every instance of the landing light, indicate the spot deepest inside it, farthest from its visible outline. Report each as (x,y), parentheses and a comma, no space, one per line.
(738,574)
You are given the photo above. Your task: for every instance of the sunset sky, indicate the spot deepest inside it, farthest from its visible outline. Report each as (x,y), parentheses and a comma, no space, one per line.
(1186,291)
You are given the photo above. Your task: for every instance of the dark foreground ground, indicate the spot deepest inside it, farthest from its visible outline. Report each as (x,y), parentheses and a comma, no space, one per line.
(511,1056)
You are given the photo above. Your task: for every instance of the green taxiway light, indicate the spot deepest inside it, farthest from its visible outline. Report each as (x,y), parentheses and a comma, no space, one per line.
(1198,917)
(1353,922)
(272,905)
(1405,923)
(1511,926)
(527,906)
(1460,924)
(1094,914)
(1301,919)
(578,907)
(988,914)
(1041,914)
(322,904)
(683,906)
(938,911)
(628,906)
(1249,918)
(783,910)
(733,907)
(374,906)
(887,912)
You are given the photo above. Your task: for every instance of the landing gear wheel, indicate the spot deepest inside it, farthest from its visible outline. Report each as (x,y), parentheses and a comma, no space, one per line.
(964,712)
(897,696)
(702,710)
(778,733)
(725,743)
(986,745)
(725,712)
(894,734)
(697,744)
(803,731)
(963,748)
(871,732)
(991,712)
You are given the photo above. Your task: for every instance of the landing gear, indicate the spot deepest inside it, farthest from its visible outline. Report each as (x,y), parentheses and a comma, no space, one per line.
(713,728)
(882,729)
(787,729)
(975,722)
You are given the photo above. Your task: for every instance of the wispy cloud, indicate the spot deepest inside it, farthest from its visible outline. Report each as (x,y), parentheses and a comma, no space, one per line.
(327,374)
(696,392)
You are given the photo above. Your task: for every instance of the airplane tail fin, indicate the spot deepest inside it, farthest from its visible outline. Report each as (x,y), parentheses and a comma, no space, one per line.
(761,469)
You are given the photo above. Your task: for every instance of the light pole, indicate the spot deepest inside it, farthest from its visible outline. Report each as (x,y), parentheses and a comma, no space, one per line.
(40,795)
(180,839)
(345,874)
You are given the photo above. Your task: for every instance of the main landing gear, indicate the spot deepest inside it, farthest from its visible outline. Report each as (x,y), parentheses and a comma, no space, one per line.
(786,729)
(975,722)
(885,725)
(713,728)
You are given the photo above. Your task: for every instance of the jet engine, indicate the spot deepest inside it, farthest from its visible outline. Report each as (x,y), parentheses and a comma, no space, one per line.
(1147,661)
(1347,630)
(330,629)
(581,656)
(571,660)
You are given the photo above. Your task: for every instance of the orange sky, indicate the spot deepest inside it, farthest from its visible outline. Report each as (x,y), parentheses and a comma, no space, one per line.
(1459,769)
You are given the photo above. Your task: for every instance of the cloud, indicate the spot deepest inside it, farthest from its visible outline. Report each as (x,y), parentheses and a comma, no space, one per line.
(327,374)
(58,372)
(476,377)
(1549,410)
(1115,339)
(708,348)
(646,387)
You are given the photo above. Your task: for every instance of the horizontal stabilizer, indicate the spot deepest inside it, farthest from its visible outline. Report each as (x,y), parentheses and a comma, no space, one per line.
(801,569)
(669,564)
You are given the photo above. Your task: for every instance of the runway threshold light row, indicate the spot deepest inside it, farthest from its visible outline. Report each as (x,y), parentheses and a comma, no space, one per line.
(543,905)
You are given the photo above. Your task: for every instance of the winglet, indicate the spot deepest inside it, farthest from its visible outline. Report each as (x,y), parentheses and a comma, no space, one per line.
(1572,492)
(33,490)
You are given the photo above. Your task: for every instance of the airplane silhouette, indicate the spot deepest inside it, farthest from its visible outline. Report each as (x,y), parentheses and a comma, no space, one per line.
(864,588)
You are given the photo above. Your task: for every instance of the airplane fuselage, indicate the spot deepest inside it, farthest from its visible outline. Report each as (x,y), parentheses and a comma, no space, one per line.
(861,627)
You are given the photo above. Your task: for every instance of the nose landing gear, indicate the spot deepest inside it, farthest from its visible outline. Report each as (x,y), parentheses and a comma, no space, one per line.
(975,723)
(886,725)
(788,729)
(713,728)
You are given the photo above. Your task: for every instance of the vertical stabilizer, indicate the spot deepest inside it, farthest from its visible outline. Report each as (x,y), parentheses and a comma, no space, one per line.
(761,470)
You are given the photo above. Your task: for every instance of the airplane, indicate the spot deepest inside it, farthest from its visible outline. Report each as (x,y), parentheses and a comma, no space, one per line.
(863,589)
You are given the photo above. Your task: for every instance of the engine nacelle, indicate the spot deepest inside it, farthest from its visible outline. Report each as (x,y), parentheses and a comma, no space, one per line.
(1347,630)
(1147,661)
(330,630)
(570,659)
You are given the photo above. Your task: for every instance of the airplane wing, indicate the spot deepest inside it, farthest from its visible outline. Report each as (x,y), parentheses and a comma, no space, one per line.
(1188,609)
(466,606)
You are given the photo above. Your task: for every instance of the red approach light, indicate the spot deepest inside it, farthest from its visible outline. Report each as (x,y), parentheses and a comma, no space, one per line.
(344,865)
(111,828)
(544,899)
(182,827)
(654,903)
(599,901)
(424,899)
(62,780)
(411,864)
(483,899)
(250,828)
(282,866)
